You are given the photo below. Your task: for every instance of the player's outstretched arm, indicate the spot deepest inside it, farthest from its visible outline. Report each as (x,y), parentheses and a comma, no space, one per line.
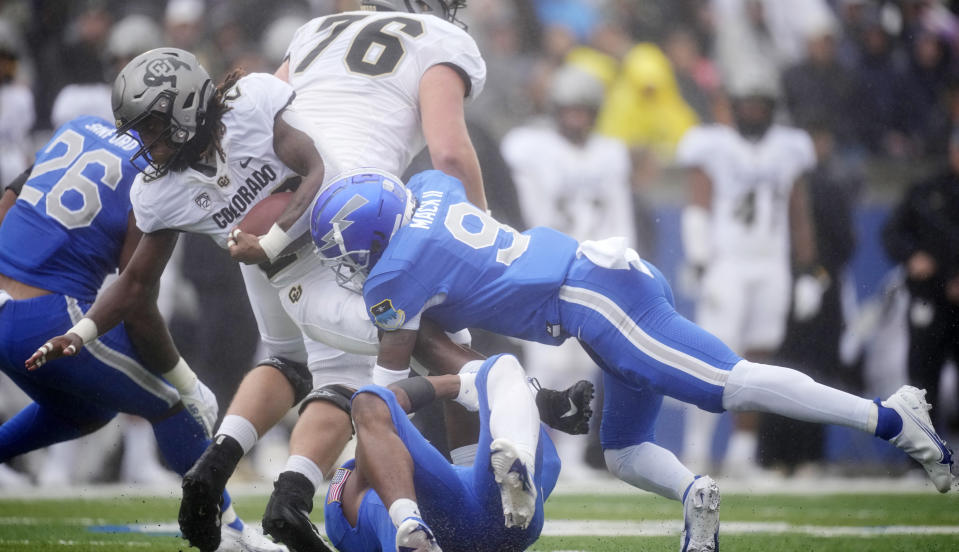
(296,148)
(442,95)
(137,283)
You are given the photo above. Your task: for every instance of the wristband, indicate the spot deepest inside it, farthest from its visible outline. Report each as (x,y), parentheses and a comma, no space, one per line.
(182,377)
(384,376)
(86,329)
(274,242)
(419,390)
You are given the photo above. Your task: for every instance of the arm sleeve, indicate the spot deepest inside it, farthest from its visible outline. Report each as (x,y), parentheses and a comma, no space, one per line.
(19,181)
(693,149)
(450,45)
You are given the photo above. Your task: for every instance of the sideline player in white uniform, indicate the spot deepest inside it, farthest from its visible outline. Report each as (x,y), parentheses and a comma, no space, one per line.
(748,211)
(570,178)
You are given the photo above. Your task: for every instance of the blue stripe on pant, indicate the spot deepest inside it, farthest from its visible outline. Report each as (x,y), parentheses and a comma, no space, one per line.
(76,395)
(626,320)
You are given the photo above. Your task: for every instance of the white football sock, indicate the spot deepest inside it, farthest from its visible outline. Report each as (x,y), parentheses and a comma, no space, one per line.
(787,392)
(650,467)
(403,508)
(305,467)
(513,412)
(240,429)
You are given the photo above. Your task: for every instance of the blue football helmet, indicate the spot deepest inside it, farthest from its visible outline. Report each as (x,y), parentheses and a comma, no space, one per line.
(354,219)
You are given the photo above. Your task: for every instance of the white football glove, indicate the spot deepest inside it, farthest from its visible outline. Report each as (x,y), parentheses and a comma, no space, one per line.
(807,297)
(201,404)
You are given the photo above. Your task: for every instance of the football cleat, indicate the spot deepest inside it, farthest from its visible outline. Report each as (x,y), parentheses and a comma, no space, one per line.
(413,535)
(240,537)
(919,439)
(287,515)
(701,517)
(516,488)
(569,410)
(203,486)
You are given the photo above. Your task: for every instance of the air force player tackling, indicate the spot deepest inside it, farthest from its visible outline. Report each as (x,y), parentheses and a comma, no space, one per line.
(424,250)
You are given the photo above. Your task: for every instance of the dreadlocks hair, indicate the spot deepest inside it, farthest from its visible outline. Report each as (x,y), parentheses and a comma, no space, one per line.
(210,134)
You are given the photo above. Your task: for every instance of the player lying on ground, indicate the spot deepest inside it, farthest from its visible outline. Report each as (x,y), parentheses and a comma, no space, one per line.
(425,251)
(71,226)
(190,186)
(400,493)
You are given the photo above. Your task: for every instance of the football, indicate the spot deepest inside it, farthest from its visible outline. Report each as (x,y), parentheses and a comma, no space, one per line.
(262,216)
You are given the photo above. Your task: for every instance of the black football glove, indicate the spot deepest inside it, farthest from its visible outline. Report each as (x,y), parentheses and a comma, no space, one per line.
(568,410)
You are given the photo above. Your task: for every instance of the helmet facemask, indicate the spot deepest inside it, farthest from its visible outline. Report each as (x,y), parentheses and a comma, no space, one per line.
(172,134)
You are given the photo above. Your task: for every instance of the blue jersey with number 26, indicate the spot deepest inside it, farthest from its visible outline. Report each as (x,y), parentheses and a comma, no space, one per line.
(485,274)
(66,230)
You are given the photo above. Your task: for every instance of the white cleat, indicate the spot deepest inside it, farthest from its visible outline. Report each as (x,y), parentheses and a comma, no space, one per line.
(701,517)
(413,535)
(919,439)
(240,537)
(516,489)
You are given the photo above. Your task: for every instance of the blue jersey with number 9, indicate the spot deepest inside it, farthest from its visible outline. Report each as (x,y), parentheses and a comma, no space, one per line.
(66,230)
(467,269)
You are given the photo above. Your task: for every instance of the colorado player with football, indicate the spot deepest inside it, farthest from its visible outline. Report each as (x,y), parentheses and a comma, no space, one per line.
(67,224)
(424,251)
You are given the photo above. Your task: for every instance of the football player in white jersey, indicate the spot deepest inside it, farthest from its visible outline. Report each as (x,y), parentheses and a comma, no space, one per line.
(386,81)
(747,218)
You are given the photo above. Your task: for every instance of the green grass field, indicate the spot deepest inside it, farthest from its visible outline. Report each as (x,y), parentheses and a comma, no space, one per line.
(575,522)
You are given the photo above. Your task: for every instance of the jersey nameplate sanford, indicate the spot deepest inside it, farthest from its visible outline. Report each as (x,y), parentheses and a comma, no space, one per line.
(386,316)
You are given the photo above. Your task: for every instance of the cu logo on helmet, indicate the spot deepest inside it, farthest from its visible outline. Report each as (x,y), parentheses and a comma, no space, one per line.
(162,71)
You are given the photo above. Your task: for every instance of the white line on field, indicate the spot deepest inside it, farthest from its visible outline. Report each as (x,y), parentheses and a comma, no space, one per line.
(571,527)
(603,528)
(60,542)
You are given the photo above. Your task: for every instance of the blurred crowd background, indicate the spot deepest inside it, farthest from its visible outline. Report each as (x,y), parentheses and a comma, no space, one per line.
(874,82)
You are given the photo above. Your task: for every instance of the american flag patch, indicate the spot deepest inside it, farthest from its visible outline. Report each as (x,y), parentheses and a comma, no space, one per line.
(336,485)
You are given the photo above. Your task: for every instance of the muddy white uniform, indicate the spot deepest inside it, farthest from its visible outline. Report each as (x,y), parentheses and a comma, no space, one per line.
(214,200)
(357,77)
(747,286)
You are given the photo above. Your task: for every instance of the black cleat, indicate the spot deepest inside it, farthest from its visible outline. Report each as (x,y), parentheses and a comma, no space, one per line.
(203,493)
(287,516)
(567,410)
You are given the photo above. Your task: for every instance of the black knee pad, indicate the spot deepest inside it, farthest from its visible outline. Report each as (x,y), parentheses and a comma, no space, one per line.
(297,373)
(339,395)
